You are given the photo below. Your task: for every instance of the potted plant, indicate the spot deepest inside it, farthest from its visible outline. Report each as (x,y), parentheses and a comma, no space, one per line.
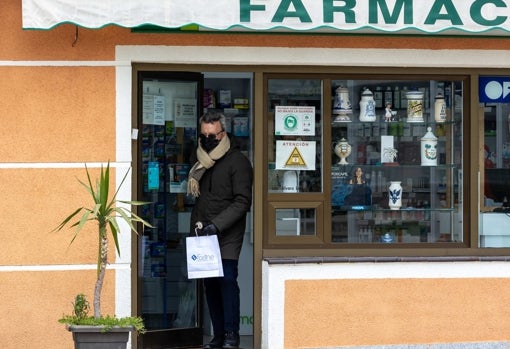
(105,212)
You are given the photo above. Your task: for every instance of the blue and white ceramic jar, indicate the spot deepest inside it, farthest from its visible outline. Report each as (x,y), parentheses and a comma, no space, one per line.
(367,107)
(395,195)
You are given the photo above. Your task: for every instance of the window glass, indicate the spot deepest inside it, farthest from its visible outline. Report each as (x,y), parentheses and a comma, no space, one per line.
(295,222)
(396,162)
(497,155)
(295,116)
(496,176)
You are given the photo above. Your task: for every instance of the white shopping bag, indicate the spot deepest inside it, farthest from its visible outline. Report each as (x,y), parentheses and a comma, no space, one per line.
(203,257)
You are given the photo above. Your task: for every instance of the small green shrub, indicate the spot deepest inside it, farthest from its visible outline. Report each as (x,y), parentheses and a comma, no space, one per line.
(81,306)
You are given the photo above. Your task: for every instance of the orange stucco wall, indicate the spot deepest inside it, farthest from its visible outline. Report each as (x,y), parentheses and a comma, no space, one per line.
(33,202)
(51,114)
(322,313)
(55,114)
(33,301)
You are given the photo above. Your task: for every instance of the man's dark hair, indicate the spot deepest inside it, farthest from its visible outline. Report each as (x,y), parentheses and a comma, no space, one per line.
(212,117)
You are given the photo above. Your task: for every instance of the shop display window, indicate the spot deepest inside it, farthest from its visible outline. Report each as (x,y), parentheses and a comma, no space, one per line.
(495,177)
(496,156)
(386,155)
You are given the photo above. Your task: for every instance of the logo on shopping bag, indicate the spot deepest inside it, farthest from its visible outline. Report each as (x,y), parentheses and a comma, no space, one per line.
(202,257)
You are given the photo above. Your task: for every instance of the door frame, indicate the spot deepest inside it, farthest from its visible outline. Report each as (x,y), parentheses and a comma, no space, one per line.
(128,87)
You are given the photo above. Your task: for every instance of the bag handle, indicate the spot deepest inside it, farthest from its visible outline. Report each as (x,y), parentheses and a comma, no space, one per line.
(198,226)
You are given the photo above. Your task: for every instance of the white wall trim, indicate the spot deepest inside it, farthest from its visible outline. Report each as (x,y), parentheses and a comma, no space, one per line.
(59,267)
(314,56)
(34,165)
(60,63)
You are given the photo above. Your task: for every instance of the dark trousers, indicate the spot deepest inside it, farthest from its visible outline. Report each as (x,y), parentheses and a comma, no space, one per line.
(222,295)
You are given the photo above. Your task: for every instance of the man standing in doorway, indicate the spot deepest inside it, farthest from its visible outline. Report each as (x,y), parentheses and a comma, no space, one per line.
(221,181)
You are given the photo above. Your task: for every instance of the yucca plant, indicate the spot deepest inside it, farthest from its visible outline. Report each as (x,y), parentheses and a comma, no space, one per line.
(105,212)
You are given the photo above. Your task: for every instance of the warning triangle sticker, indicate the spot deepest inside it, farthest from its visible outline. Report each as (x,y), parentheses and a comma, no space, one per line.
(295,158)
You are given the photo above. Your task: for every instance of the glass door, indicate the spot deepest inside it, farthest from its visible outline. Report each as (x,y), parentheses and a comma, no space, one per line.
(169,105)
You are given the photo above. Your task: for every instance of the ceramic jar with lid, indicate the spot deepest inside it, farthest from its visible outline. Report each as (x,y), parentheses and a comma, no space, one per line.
(367,107)
(429,149)
(439,108)
(343,150)
(342,105)
(414,106)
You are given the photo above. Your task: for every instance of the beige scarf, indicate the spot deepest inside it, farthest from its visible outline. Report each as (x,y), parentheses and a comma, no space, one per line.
(205,161)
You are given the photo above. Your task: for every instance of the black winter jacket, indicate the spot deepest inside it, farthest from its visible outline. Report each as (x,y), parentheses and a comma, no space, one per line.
(225,198)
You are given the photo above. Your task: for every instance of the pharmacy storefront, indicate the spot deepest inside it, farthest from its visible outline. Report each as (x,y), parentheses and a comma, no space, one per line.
(380,212)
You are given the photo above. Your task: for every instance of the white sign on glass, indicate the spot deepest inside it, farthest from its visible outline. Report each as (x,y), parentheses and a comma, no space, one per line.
(185,112)
(294,121)
(295,155)
(153,112)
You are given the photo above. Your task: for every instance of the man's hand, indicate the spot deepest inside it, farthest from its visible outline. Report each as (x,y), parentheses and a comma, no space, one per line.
(210,229)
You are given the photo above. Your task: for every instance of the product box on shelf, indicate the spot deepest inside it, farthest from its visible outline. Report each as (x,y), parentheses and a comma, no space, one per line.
(209,98)
(178,174)
(225,99)
(240,126)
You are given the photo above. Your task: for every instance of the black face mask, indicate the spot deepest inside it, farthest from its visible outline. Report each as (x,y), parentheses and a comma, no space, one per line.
(209,143)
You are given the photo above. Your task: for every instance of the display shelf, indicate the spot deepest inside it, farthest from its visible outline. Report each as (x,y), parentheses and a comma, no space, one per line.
(361,208)
(395,166)
(355,121)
